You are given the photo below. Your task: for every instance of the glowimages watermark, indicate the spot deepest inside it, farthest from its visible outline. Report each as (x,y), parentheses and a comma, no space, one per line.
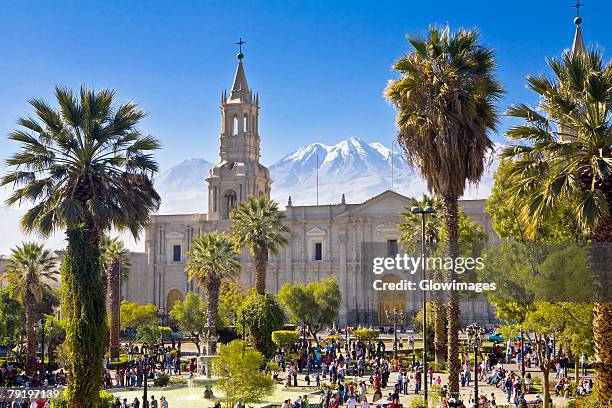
(410,265)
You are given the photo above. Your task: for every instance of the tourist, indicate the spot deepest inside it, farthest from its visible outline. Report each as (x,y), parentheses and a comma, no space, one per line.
(153,403)
(136,403)
(163,402)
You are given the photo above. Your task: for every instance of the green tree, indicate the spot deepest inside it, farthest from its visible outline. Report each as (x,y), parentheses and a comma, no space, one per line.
(152,333)
(190,315)
(263,316)
(564,155)
(240,376)
(285,338)
(85,168)
(12,317)
(258,225)
(445,100)
(134,315)
(314,304)
(212,259)
(116,261)
(55,335)
(30,269)
(230,301)
(432,319)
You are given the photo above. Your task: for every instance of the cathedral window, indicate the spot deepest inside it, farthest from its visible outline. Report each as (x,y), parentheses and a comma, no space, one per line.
(392,249)
(318,251)
(176,253)
(235,126)
(245,123)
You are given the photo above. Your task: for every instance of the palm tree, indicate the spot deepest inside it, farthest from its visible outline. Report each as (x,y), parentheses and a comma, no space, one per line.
(30,269)
(213,259)
(116,261)
(411,235)
(258,225)
(566,158)
(445,110)
(85,168)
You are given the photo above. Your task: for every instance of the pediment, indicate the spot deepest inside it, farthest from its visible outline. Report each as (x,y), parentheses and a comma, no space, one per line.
(387,204)
(174,235)
(315,232)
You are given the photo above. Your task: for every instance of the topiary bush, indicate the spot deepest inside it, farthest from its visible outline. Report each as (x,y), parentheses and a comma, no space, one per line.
(264,315)
(161,380)
(106,400)
(285,338)
(366,334)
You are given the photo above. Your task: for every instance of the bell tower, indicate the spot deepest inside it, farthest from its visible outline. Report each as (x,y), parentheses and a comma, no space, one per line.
(239,175)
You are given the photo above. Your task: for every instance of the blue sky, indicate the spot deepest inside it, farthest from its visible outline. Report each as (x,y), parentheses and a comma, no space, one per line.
(320,66)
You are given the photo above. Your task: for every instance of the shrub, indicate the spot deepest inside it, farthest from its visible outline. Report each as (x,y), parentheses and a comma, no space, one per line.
(106,400)
(268,316)
(366,334)
(283,338)
(161,380)
(418,403)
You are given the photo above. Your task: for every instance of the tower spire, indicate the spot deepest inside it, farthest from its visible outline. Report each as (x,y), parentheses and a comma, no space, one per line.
(240,88)
(578,47)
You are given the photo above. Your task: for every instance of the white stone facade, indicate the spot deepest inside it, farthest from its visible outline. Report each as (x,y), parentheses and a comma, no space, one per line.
(324,240)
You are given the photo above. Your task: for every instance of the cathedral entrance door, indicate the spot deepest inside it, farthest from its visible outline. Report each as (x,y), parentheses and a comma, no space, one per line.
(390,299)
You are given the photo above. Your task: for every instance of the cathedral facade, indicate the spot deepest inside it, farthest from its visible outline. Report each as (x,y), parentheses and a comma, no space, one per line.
(324,240)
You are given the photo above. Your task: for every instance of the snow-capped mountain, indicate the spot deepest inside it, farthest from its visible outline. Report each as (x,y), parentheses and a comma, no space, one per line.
(358,169)
(183,188)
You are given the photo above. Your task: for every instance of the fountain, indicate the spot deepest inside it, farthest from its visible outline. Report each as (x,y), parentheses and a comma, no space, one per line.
(204,361)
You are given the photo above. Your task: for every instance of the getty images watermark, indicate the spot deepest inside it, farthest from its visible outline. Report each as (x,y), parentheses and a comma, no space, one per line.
(412,264)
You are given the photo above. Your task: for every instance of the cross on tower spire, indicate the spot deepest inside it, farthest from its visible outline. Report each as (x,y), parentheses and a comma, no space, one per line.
(239,44)
(577,7)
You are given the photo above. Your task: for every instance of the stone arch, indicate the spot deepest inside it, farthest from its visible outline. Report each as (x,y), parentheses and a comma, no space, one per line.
(229,203)
(390,299)
(173,296)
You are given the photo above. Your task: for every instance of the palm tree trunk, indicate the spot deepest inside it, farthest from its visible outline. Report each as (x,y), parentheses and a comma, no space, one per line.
(114,281)
(30,330)
(212,293)
(451,214)
(439,329)
(85,313)
(601,258)
(546,390)
(261,255)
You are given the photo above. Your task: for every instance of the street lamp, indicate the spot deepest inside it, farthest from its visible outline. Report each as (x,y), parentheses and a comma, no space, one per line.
(394,318)
(474,333)
(522,359)
(41,324)
(145,363)
(247,317)
(304,341)
(424,211)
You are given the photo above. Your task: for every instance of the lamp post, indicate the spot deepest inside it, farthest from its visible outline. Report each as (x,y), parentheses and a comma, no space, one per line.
(424,211)
(145,364)
(247,317)
(41,324)
(394,317)
(474,332)
(522,359)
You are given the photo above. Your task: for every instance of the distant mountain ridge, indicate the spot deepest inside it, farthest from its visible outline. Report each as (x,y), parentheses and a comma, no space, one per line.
(358,169)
